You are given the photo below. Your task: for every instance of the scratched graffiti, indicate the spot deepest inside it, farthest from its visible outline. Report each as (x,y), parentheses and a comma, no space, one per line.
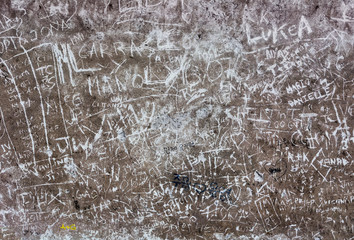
(181,119)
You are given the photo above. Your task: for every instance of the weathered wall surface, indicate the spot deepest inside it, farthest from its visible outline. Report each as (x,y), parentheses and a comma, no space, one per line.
(176,119)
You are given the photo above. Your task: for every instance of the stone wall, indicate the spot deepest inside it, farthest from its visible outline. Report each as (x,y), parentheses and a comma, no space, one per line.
(180,119)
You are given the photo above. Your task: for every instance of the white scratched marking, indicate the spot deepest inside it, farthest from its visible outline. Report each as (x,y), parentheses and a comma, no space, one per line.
(7,30)
(40,98)
(67,56)
(8,135)
(157,23)
(59,97)
(47,184)
(258,120)
(304,115)
(23,107)
(28,50)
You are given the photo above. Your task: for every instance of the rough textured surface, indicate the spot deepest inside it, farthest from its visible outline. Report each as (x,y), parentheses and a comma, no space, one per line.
(179,119)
